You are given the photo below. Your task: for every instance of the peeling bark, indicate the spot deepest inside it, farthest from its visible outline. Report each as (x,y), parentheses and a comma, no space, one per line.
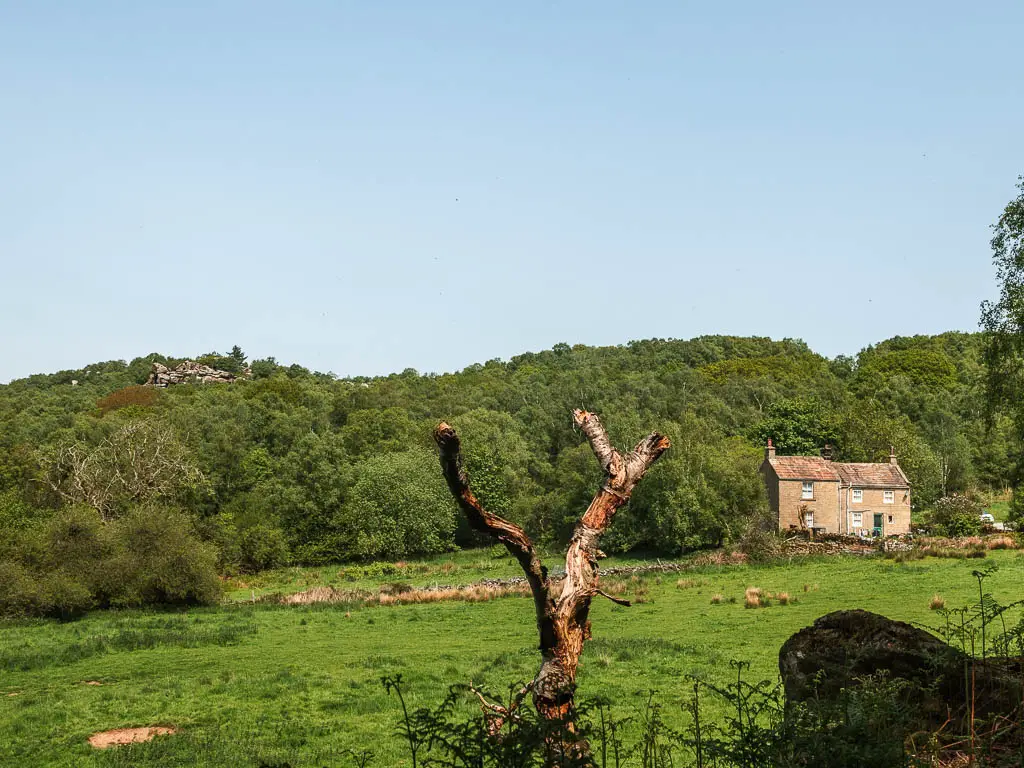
(562,619)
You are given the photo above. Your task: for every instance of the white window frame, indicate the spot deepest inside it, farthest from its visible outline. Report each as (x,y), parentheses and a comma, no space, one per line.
(888,497)
(858,495)
(809,518)
(807,490)
(858,520)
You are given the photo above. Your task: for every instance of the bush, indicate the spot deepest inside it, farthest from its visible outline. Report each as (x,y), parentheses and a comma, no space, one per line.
(956,515)
(760,541)
(161,561)
(260,547)
(20,594)
(74,562)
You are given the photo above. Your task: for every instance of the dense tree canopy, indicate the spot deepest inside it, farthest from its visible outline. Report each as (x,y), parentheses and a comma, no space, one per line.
(291,464)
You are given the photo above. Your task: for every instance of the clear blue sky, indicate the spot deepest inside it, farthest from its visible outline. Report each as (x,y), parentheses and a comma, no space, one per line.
(362,187)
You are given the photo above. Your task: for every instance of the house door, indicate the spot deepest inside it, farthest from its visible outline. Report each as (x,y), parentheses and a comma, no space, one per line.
(878,524)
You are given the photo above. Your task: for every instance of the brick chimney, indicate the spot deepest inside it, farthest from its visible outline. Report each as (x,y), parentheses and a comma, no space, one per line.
(892,455)
(826,452)
(769,451)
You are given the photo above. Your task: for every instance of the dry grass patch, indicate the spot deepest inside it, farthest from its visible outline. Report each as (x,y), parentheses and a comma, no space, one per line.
(1001,542)
(690,583)
(120,736)
(716,599)
(403,594)
(755,597)
(752,597)
(471,594)
(320,595)
(937,603)
(720,557)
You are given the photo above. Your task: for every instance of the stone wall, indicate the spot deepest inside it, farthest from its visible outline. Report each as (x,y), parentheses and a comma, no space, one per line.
(831,544)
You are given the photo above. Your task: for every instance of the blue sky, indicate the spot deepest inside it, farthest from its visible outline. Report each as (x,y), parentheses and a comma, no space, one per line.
(364,187)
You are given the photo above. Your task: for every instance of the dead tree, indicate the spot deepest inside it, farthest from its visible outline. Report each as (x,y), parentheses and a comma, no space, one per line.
(562,616)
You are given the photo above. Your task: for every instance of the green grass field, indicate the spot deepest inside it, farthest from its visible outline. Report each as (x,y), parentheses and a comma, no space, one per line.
(273,685)
(1000,510)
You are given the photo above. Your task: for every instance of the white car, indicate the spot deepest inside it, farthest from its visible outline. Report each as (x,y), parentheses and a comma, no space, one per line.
(985,517)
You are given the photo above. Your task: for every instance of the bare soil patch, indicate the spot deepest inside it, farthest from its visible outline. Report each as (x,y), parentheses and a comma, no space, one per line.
(121,736)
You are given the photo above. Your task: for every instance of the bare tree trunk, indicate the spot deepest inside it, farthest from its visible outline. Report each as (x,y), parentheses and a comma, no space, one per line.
(563,619)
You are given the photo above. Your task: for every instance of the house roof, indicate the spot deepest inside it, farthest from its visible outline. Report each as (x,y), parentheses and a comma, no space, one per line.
(816,468)
(803,468)
(873,475)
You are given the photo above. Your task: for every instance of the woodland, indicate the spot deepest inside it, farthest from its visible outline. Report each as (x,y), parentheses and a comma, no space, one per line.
(298,467)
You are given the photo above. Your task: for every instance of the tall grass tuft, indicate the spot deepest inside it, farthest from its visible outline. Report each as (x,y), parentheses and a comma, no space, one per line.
(752,597)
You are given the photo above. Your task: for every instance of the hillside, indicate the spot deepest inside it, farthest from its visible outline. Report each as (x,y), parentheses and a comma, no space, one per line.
(299,466)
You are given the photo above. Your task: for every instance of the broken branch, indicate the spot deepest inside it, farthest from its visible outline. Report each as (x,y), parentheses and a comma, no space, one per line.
(618,600)
(508,533)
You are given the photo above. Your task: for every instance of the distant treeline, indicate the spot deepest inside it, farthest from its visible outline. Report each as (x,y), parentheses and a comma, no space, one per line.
(304,467)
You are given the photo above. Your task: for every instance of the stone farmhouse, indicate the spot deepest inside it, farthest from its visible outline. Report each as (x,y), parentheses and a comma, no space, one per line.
(823,496)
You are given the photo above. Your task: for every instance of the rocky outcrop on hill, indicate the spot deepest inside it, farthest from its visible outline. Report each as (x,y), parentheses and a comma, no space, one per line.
(190,372)
(841,649)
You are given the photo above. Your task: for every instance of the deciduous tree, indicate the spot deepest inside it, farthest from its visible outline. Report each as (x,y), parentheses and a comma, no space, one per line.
(1003,321)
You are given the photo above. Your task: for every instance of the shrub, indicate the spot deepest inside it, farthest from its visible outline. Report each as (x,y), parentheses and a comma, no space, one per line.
(74,562)
(20,595)
(260,547)
(161,561)
(760,541)
(956,515)
(62,593)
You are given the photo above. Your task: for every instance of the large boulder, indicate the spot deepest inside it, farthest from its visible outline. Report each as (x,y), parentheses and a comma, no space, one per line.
(189,372)
(840,650)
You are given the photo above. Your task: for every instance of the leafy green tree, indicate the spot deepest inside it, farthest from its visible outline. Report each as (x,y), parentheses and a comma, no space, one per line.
(501,466)
(373,432)
(700,494)
(869,432)
(398,506)
(303,495)
(238,356)
(264,368)
(798,427)
(1003,321)
(942,429)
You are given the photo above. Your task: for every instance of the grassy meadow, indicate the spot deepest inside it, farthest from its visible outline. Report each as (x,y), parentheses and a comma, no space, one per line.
(271,685)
